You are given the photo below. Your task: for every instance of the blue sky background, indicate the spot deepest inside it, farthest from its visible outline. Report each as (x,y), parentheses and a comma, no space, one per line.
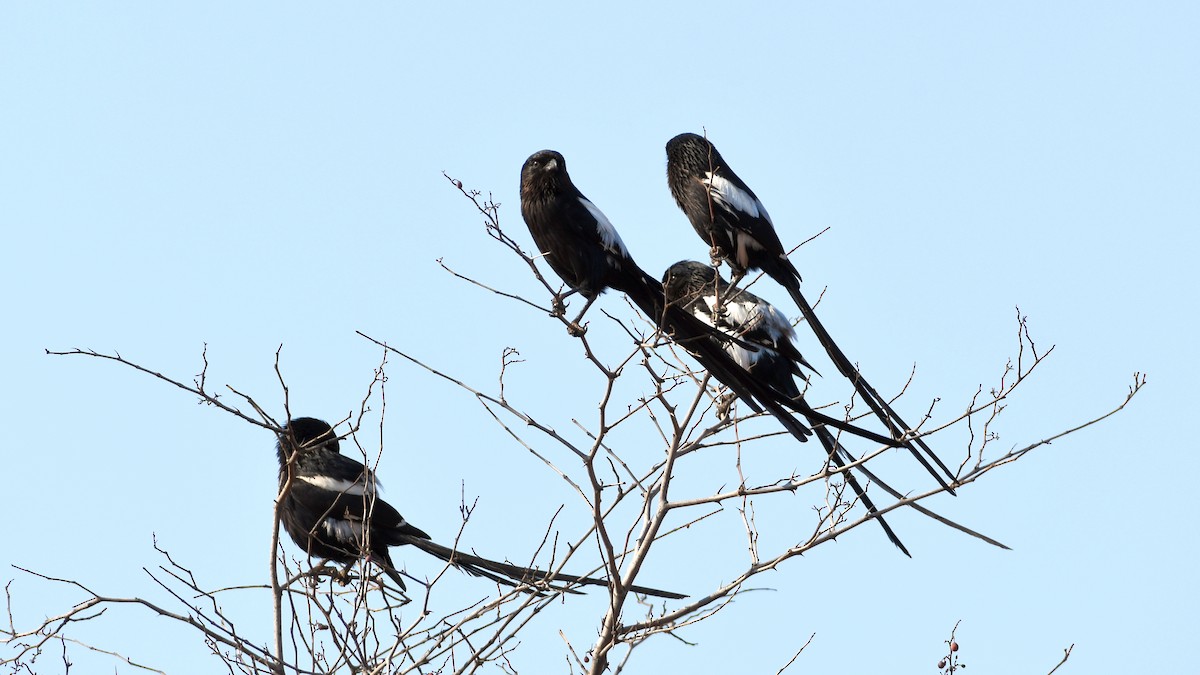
(250,176)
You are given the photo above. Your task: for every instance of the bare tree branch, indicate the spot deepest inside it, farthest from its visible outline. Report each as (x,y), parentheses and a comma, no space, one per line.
(621,462)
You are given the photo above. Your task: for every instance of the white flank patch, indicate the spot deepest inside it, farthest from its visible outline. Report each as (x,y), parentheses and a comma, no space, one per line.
(742,356)
(608,233)
(343,530)
(734,198)
(337,485)
(745,243)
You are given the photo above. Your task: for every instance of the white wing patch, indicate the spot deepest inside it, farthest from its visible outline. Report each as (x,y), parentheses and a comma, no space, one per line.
(338,485)
(742,356)
(776,324)
(743,316)
(608,233)
(733,197)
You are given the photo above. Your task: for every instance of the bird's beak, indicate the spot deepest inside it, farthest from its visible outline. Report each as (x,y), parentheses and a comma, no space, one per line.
(551,165)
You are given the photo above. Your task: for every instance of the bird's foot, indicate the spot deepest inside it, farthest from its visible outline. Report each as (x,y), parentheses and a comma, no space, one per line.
(576,329)
(338,574)
(724,403)
(557,307)
(314,574)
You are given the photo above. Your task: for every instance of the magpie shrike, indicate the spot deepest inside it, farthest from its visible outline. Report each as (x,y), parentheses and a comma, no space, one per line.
(576,239)
(331,510)
(585,250)
(727,215)
(701,291)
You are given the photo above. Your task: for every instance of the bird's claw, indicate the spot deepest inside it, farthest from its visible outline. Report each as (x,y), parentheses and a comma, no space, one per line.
(576,330)
(724,403)
(557,307)
(338,574)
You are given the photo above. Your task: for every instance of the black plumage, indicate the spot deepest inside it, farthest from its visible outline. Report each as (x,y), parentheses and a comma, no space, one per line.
(331,510)
(727,215)
(700,290)
(577,240)
(583,248)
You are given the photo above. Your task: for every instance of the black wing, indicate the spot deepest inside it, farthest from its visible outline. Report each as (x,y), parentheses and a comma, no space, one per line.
(576,239)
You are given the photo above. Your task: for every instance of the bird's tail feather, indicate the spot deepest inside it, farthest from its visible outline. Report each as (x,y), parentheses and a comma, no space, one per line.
(897,426)
(801,406)
(515,575)
(831,446)
(896,494)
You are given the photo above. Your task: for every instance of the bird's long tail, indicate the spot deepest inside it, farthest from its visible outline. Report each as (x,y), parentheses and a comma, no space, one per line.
(828,440)
(695,336)
(703,342)
(896,426)
(515,575)
(831,446)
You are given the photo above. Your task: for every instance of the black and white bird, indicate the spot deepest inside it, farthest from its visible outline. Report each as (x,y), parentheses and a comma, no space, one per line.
(585,250)
(700,290)
(332,511)
(577,240)
(727,215)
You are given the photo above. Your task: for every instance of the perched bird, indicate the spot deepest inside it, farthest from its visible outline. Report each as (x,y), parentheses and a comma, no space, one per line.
(331,510)
(583,248)
(727,214)
(578,242)
(700,290)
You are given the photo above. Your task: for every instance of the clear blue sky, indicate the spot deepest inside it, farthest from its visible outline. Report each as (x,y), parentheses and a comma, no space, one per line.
(248,176)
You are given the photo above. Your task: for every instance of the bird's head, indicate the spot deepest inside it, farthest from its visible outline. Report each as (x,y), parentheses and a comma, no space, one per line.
(685,279)
(307,434)
(544,167)
(692,153)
